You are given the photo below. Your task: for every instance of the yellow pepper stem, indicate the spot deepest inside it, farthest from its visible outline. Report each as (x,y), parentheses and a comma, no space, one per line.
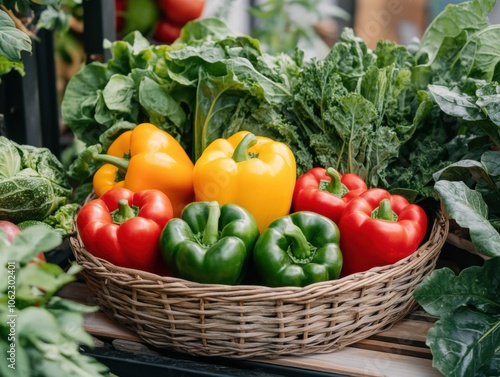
(119,162)
(241,151)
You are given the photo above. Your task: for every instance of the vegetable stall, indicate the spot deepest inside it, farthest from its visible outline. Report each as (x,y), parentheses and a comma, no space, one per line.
(228,202)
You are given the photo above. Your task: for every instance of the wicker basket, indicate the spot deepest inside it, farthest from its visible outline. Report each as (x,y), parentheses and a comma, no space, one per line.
(247,321)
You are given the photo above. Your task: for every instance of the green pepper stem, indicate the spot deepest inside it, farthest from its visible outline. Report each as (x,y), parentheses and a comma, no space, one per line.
(211,232)
(384,211)
(123,213)
(119,162)
(241,151)
(335,186)
(300,247)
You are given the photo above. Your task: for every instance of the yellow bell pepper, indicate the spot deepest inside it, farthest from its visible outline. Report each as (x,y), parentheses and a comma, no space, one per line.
(147,158)
(254,172)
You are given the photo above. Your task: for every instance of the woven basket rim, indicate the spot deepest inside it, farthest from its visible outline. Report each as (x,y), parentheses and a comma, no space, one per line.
(373,274)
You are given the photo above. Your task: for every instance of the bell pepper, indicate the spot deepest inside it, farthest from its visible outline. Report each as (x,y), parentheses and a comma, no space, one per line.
(326,191)
(254,172)
(124,228)
(379,229)
(297,250)
(147,158)
(210,244)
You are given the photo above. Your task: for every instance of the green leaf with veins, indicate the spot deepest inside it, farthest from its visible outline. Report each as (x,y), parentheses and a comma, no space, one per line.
(468,208)
(12,43)
(48,336)
(477,286)
(465,341)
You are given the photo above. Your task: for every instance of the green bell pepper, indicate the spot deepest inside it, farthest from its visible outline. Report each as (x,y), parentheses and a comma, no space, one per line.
(210,243)
(298,250)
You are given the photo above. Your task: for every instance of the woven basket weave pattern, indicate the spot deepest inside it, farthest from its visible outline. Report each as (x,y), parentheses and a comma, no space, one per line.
(246,321)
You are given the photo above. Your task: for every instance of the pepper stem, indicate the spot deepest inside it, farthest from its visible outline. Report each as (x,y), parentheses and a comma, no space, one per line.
(299,248)
(241,151)
(384,211)
(211,232)
(119,162)
(335,186)
(123,213)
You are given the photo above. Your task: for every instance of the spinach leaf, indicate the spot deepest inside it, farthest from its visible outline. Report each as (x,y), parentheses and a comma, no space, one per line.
(470,350)
(468,15)
(482,175)
(477,286)
(458,105)
(465,340)
(477,110)
(468,208)
(26,246)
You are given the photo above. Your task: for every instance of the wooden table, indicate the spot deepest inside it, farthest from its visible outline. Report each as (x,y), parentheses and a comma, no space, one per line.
(398,351)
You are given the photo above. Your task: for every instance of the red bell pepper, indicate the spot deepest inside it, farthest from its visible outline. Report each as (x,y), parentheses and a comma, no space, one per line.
(379,229)
(124,227)
(326,191)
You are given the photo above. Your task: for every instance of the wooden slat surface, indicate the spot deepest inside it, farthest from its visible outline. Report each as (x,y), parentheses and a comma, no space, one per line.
(398,351)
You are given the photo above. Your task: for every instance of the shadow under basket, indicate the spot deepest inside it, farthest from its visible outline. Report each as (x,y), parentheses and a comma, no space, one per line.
(246,321)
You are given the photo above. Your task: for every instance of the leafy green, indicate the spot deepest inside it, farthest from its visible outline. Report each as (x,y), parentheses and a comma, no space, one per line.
(450,38)
(470,211)
(364,111)
(12,43)
(474,351)
(477,286)
(48,335)
(351,106)
(453,79)
(33,184)
(62,219)
(10,157)
(465,340)
(483,176)
(104,99)
(476,106)
(46,164)
(470,192)
(194,89)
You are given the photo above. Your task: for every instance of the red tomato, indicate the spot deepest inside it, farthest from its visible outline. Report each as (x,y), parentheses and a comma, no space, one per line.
(120,6)
(181,11)
(166,31)
(12,230)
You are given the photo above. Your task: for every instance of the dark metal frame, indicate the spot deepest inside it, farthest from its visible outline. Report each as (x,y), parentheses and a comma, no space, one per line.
(29,108)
